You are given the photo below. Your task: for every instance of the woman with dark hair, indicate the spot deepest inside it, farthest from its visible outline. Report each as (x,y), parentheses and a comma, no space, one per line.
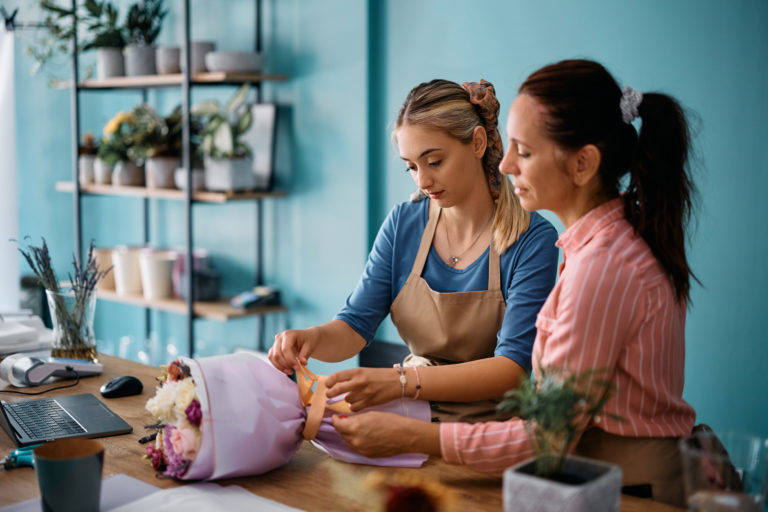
(620,302)
(463,269)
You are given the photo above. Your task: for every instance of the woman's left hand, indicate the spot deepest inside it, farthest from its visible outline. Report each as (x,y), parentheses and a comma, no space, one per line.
(365,386)
(376,434)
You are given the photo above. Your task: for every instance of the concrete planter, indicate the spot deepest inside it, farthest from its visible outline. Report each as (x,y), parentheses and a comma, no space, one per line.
(102,172)
(109,63)
(229,174)
(128,174)
(159,171)
(140,60)
(85,165)
(526,492)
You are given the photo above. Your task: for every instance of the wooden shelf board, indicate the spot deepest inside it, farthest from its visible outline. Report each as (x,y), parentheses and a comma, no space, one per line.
(202,196)
(176,79)
(218,310)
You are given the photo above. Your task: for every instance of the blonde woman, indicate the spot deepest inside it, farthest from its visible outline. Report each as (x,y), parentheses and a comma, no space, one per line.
(462,269)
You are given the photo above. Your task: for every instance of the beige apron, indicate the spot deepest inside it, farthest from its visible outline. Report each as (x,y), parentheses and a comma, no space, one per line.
(445,328)
(651,466)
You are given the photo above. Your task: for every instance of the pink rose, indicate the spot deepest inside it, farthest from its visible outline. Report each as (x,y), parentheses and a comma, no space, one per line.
(185,442)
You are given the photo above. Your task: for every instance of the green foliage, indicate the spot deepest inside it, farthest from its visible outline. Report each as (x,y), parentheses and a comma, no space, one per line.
(118,139)
(100,21)
(556,408)
(223,126)
(156,136)
(83,284)
(144,20)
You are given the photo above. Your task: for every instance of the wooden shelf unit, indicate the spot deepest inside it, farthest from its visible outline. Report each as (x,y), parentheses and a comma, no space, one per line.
(174,80)
(217,310)
(202,196)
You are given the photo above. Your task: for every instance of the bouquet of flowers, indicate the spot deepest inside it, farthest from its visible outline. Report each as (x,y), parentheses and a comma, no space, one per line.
(177,409)
(236,415)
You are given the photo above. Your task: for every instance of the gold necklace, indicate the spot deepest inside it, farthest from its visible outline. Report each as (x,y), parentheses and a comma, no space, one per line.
(453,260)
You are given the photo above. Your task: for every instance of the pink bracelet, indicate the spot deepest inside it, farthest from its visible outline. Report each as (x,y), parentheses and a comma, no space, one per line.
(401,371)
(418,383)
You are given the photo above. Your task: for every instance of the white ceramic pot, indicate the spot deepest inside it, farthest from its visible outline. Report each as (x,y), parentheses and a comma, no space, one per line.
(85,167)
(125,261)
(234,62)
(128,174)
(167,59)
(109,63)
(198,50)
(156,271)
(140,60)
(229,173)
(102,172)
(198,178)
(159,171)
(103,258)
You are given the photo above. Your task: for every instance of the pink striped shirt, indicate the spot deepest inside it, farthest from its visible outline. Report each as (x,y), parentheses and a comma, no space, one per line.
(612,307)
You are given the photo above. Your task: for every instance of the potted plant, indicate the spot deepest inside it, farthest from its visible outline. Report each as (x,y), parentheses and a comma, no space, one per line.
(556,408)
(158,142)
(142,26)
(106,37)
(228,162)
(71,309)
(86,159)
(116,156)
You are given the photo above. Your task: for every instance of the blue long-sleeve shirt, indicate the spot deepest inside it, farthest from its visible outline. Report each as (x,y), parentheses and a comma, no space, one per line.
(528,273)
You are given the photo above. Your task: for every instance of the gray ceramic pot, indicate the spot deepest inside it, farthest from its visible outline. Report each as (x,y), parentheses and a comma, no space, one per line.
(139,60)
(527,492)
(109,63)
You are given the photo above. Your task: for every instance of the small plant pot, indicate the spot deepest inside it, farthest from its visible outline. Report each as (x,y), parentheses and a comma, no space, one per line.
(180,178)
(85,168)
(584,485)
(167,59)
(140,60)
(109,63)
(198,50)
(102,172)
(156,269)
(128,174)
(125,261)
(103,258)
(159,171)
(222,174)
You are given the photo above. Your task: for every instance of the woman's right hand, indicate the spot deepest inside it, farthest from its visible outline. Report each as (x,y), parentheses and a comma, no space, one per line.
(293,347)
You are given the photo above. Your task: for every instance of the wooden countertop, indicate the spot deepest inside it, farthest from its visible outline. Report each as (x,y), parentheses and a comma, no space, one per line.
(311,481)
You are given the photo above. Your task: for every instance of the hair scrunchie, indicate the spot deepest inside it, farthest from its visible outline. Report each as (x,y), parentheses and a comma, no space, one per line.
(482,95)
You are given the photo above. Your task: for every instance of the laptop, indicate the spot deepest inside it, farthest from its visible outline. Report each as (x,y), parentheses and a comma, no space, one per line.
(46,419)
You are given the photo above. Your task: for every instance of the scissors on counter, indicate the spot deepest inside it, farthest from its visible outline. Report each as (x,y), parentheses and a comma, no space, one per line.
(20,457)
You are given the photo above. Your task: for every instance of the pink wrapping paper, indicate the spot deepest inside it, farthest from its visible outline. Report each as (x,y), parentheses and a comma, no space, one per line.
(253,420)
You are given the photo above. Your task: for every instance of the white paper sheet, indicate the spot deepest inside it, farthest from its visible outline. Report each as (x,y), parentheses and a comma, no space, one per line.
(203,497)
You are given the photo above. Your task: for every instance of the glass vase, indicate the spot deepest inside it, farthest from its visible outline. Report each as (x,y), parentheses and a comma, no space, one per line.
(72,318)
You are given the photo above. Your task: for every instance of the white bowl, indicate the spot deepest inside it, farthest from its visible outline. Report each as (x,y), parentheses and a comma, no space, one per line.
(234,62)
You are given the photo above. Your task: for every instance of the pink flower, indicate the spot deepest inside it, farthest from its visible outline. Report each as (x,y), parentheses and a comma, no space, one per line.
(156,456)
(185,442)
(194,413)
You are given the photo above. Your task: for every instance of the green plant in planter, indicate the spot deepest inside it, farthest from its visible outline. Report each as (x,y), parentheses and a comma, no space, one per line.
(144,21)
(223,126)
(556,408)
(100,20)
(118,141)
(157,136)
(96,24)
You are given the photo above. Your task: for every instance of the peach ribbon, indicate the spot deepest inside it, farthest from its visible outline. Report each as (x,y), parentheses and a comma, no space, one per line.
(316,400)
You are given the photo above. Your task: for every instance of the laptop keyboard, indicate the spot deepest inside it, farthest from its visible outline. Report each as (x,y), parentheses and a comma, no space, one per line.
(43,418)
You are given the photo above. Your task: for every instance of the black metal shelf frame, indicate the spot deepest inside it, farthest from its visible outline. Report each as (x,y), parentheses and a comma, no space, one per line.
(186,84)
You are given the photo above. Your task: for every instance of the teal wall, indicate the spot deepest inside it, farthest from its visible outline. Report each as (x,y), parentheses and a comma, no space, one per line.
(351,63)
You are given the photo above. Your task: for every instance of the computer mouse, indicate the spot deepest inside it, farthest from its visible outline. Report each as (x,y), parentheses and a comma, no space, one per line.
(125,385)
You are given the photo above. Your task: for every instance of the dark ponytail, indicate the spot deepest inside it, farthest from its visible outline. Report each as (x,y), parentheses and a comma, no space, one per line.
(582,101)
(658,201)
